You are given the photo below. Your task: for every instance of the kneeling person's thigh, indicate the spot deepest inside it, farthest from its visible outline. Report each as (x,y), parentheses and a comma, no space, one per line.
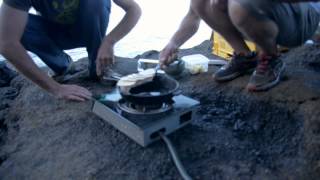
(296,22)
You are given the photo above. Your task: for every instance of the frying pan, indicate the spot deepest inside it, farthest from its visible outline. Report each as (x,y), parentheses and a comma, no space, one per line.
(160,90)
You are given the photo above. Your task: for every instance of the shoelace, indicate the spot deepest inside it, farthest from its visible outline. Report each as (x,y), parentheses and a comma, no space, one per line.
(233,62)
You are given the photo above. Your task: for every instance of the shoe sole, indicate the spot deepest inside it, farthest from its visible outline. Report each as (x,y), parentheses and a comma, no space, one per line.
(254,88)
(232,76)
(227,78)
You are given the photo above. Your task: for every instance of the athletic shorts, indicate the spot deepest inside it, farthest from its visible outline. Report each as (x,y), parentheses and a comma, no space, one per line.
(297,22)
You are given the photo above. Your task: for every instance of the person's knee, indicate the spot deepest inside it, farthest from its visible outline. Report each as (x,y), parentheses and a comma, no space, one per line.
(220,4)
(238,13)
(197,4)
(214,4)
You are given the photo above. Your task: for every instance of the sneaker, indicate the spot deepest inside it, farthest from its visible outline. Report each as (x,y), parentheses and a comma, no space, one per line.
(67,74)
(239,65)
(70,70)
(267,74)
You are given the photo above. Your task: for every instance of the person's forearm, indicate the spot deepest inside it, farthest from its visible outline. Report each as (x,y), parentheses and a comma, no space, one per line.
(12,25)
(18,56)
(188,27)
(127,23)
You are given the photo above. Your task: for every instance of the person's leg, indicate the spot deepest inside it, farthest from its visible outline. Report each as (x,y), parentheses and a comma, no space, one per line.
(220,21)
(268,23)
(254,23)
(295,23)
(254,26)
(36,39)
(243,60)
(91,28)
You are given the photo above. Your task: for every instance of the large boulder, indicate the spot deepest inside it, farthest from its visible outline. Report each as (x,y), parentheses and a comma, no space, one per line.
(236,134)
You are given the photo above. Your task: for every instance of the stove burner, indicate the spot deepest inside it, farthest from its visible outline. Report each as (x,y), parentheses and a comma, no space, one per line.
(132,110)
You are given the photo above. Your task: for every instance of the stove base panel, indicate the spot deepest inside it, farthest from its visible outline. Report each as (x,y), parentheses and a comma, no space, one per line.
(148,132)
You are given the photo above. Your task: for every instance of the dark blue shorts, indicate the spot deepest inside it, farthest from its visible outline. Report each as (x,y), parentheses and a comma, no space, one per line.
(48,39)
(297,22)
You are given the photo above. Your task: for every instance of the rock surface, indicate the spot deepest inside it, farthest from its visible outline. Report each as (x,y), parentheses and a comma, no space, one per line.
(7,95)
(237,135)
(6,74)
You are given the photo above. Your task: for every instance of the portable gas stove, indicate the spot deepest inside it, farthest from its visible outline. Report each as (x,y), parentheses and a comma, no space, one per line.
(143,123)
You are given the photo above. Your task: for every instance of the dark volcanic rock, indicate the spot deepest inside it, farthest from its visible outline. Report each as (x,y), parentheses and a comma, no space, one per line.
(149,55)
(7,95)
(6,74)
(236,135)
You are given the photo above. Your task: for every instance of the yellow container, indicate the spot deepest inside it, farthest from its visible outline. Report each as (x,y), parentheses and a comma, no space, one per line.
(222,48)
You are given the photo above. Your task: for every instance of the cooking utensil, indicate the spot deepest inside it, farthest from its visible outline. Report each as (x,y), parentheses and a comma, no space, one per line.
(144,64)
(156,69)
(175,68)
(160,90)
(110,77)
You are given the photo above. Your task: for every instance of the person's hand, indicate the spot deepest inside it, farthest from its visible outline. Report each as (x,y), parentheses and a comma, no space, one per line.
(168,55)
(105,57)
(72,92)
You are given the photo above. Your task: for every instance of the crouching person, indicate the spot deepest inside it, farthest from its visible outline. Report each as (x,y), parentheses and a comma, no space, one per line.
(267,23)
(62,25)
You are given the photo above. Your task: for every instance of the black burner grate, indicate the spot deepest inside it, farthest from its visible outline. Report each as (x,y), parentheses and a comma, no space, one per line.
(131,110)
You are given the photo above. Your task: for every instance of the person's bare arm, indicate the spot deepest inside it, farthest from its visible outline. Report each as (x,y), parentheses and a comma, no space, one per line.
(105,55)
(188,27)
(12,25)
(131,18)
